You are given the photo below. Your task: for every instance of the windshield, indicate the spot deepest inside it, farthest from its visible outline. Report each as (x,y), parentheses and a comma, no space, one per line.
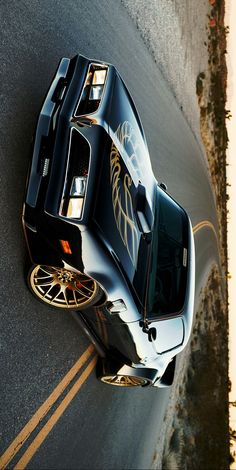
(167,281)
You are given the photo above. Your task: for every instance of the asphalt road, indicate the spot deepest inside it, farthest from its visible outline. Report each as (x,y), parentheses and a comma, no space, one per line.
(103,427)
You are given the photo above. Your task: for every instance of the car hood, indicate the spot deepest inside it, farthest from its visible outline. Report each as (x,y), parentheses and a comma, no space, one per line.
(126,132)
(127,188)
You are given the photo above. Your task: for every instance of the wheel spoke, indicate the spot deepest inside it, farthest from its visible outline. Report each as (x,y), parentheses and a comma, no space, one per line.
(63,291)
(75,298)
(87,288)
(45,284)
(50,288)
(54,297)
(44,277)
(58,287)
(82,293)
(49,271)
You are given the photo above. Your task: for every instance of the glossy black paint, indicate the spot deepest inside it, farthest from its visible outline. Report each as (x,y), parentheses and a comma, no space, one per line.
(113,240)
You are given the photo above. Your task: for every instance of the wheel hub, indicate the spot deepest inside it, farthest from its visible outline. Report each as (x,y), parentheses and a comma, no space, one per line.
(65,277)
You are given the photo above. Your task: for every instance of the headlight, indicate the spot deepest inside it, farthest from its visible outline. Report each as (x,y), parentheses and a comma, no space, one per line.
(99,77)
(78,186)
(76,199)
(96,92)
(75,206)
(92,92)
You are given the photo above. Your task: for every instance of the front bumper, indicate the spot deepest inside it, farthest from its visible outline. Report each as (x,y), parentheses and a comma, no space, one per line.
(56,119)
(42,222)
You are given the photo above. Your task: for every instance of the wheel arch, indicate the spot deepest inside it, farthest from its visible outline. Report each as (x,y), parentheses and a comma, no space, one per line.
(110,366)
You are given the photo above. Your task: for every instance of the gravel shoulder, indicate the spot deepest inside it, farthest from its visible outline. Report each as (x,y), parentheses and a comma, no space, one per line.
(169,29)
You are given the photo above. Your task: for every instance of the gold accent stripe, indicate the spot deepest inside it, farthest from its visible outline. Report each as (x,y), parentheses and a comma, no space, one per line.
(24,434)
(29,453)
(123,210)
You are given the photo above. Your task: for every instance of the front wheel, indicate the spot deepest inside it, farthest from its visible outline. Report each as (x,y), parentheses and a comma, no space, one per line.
(62,288)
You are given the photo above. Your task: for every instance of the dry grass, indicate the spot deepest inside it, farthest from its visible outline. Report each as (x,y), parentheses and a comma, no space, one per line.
(198,436)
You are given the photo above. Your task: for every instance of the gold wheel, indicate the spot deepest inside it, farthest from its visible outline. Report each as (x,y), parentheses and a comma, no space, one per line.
(124,380)
(62,288)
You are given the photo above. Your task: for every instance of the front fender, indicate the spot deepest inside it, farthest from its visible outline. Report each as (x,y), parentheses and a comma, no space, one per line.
(101,266)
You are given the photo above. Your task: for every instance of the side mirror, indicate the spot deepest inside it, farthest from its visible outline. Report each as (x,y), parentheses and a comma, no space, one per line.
(152,334)
(163,186)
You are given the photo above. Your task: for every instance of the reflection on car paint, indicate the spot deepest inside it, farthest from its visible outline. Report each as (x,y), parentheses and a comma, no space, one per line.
(132,152)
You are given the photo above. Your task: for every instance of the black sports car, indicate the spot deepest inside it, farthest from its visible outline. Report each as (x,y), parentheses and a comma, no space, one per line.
(105,239)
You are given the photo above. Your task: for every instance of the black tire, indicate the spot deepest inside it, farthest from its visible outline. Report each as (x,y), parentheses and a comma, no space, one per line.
(60,288)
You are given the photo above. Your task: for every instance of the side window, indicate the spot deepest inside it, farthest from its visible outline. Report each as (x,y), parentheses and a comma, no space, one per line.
(168,276)
(168,290)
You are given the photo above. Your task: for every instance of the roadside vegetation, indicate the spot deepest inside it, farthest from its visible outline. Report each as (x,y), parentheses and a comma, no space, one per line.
(211,91)
(197,426)
(211,88)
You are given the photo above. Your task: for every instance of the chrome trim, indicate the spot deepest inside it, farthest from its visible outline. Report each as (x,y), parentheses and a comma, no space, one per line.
(116,306)
(96,92)
(78,187)
(185,257)
(45,167)
(30,227)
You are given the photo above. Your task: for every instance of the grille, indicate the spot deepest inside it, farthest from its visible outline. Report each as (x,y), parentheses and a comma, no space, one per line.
(79,155)
(78,165)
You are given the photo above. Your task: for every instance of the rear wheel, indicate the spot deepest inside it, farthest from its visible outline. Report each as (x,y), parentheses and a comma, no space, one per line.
(124,380)
(62,288)
(113,372)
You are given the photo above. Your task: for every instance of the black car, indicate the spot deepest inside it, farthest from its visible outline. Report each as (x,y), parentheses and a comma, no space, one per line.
(105,239)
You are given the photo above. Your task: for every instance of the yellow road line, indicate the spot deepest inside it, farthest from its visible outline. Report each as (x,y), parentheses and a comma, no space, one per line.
(43,410)
(202,224)
(29,453)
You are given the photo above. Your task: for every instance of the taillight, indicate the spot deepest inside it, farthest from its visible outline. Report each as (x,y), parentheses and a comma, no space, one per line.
(66,247)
